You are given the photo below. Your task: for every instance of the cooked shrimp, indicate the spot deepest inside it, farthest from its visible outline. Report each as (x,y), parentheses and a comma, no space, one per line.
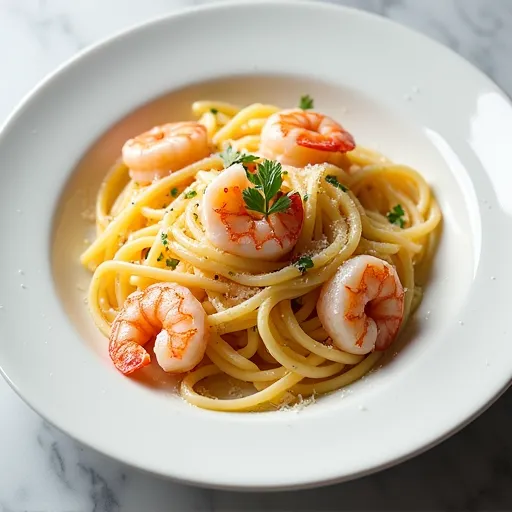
(232,228)
(163,149)
(362,306)
(168,312)
(297,137)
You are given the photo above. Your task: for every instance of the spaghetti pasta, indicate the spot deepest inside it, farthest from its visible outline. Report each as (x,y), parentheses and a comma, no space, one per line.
(266,341)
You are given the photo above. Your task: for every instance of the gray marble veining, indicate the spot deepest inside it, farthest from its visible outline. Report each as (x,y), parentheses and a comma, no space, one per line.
(42,469)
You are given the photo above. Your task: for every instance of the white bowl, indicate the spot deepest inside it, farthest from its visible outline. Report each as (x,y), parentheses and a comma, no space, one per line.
(397,92)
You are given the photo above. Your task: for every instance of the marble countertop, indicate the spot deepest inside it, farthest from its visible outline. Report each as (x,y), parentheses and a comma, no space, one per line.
(43,470)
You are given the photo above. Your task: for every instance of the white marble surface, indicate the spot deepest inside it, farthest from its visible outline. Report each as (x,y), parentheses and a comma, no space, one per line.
(44,470)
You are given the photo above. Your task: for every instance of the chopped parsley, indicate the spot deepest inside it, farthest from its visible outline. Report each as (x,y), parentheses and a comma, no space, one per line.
(190,194)
(306,102)
(267,180)
(396,216)
(332,180)
(304,263)
(172,263)
(174,192)
(214,111)
(160,258)
(163,236)
(231,157)
(306,197)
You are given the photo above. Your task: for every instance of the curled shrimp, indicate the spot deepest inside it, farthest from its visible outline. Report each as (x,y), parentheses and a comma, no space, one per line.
(362,306)
(231,227)
(163,149)
(297,137)
(167,312)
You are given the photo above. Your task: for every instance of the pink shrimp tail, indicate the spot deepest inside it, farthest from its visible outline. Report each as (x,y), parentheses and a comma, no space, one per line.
(297,209)
(129,357)
(342,143)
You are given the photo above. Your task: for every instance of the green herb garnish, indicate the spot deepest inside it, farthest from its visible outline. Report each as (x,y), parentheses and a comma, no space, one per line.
(306,197)
(160,258)
(190,194)
(174,192)
(306,102)
(214,111)
(163,236)
(267,180)
(332,180)
(230,157)
(304,263)
(396,216)
(172,263)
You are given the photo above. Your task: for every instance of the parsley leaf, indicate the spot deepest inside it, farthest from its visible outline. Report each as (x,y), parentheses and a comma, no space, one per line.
(332,180)
(281,205)
(160,258)
(163,236)
(267,181)
(271,179)
(306,102)
(172,263)
(396,216)
(230,157)
(304,263)
(253,200)
(174,192)
(190,194)
(254,178)
(214,111)
(306,197)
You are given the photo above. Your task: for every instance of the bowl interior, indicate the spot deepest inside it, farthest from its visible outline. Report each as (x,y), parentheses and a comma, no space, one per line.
(374,125)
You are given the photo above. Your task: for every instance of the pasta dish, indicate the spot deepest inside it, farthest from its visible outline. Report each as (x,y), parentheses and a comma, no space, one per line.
(258,251)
